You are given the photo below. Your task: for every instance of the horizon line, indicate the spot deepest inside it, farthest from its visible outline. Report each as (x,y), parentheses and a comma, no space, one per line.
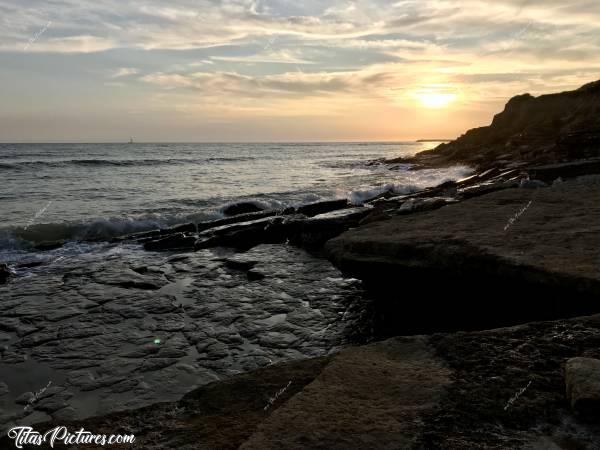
(350,141)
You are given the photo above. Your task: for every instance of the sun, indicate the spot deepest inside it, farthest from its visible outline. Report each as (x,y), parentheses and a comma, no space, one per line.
(435,97)
(436,101)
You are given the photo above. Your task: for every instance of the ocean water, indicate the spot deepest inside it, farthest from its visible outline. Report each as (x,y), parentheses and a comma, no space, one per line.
(88,192)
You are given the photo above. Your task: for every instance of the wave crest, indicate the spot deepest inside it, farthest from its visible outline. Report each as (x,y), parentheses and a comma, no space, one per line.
(98,230)
(360,197)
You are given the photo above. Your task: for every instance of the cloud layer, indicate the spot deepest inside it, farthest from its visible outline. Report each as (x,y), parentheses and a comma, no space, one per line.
(234,59)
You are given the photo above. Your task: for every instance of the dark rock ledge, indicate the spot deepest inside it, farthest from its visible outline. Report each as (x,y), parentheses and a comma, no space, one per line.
(308,226)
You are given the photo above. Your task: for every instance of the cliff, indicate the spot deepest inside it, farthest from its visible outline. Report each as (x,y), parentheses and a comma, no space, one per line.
(532,130)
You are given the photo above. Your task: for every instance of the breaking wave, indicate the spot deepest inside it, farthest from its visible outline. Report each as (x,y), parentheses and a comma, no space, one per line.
(118,162)
(98,230)
(360,197)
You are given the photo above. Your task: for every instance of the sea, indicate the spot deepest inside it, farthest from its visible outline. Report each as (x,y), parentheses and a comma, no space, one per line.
(85,194)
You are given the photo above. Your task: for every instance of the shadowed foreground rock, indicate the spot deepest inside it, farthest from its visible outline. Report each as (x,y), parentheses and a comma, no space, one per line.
(445,391)
(368,397)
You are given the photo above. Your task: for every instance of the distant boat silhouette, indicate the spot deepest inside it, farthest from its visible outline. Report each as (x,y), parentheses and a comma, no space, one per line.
(131,140)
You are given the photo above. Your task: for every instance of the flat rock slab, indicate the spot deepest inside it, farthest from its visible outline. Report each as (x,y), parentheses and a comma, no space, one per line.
(125,332)
(504,250)
(557,233)
(582,378)
(367,397)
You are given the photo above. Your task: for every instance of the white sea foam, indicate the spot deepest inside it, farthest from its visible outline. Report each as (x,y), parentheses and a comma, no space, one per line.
(360,197)
(411,181)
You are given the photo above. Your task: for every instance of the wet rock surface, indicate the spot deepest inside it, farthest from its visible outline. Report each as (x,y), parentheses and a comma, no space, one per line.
(308,226)
(5,273)
(172,242)
(241,208)
(202,226)
(314,209)
(219,415)
(244,235)
(128,328)
(315,231)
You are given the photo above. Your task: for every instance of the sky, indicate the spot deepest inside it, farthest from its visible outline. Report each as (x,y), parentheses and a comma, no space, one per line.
(267,70)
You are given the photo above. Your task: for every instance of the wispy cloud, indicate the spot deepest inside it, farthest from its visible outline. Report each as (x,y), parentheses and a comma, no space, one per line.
(124,72)
(240,57)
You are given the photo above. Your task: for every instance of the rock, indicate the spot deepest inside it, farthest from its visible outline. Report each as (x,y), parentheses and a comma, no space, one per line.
(25,398)
(297,229)
(67,413)
(51,403)
(202,226)
(246,235)
(424,204)
(146,236)
(140,269)
(48,245)
(184,228)
(141,236)
(498,244)
(236,404)
(426,392)
(30,265)
(532,184)
(244,265)
(241,208)
(551,172)
(485,188)
(375,215)
(5,273)
(314,209)
(380,392)
(172,242)
(255,275)
(127,322)
(582,379)
(214,350)
(125,278)
(314,232)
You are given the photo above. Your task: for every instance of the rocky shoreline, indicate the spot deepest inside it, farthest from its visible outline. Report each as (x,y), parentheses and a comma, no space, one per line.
(492,280)
(454,391)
